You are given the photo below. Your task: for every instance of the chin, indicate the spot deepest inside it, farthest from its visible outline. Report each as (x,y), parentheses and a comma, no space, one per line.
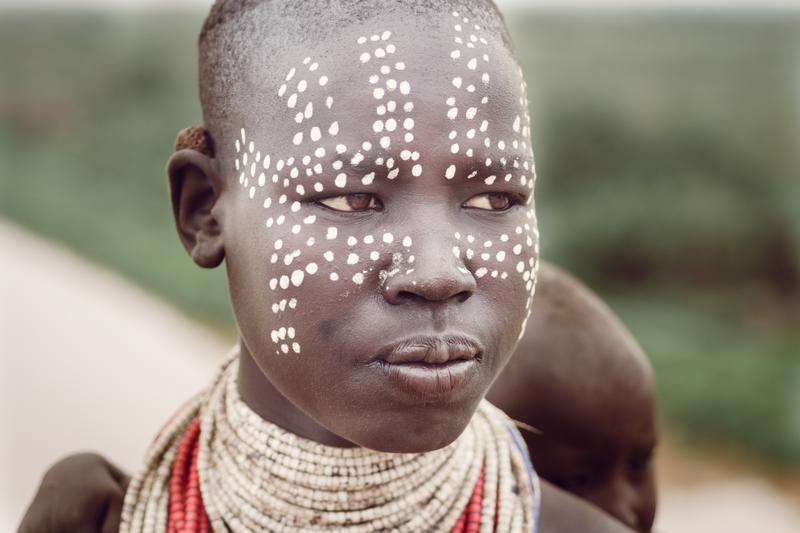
(418,430)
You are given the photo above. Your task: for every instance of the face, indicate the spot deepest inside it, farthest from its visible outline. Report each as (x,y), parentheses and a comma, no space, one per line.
(380,237)
(602,452)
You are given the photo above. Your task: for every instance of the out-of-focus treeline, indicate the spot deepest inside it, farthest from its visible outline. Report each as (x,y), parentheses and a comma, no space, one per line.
(667,150)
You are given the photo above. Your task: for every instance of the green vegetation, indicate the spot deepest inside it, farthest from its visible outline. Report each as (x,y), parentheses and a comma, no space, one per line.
(668,164)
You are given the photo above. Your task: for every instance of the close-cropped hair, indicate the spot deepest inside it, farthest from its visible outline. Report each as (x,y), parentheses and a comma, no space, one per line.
(239,35)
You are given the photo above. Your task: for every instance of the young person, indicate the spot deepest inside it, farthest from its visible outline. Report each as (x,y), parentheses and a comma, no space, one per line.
(581,380)
(367,175)
(580,454)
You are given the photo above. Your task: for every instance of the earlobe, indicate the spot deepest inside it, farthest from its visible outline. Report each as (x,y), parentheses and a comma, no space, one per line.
(196,188)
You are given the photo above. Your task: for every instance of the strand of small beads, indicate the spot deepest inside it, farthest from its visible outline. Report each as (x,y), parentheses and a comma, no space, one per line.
(219,467)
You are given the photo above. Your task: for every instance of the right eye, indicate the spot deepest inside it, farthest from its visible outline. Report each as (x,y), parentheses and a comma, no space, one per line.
(354,202)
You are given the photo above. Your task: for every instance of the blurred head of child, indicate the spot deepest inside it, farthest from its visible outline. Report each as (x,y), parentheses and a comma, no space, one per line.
(582,381)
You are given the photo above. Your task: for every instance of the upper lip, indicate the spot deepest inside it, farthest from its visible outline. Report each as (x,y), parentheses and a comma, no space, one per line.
(430,350)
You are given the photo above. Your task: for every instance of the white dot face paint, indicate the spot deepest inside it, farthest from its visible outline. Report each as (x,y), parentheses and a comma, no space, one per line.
(366,127)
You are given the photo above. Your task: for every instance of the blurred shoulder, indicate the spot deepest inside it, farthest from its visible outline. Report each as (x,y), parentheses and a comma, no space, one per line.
(564,513)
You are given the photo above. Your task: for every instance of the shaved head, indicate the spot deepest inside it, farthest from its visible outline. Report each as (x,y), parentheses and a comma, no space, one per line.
(245,44)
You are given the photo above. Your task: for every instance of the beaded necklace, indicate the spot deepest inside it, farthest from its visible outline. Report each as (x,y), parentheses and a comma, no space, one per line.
(219,467)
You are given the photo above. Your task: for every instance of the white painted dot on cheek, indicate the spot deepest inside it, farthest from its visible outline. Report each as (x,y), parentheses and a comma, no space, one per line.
(451,172)
(358,278)
(328,255)
(416,171)
(388,238)
(332,233)
(311,268)
(297,277)
(407,242)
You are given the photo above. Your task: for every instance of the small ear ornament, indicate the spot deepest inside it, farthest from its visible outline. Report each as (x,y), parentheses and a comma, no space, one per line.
(195,138)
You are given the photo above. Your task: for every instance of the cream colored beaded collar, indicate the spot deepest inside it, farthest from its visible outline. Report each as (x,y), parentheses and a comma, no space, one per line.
(255,476)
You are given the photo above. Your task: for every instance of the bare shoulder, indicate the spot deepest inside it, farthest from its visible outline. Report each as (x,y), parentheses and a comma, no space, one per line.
(564,513)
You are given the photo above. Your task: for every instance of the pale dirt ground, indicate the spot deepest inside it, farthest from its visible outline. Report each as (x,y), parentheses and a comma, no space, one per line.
(88,361)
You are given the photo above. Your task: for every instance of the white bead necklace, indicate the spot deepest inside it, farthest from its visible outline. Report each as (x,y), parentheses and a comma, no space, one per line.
(255,476)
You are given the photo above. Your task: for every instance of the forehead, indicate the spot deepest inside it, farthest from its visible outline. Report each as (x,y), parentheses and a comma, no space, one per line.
(454,88)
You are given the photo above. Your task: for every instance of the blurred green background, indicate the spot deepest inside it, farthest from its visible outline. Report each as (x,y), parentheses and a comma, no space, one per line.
(667,149)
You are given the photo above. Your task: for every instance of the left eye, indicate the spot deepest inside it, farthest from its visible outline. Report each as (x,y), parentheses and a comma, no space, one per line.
(352,202)
(491,201)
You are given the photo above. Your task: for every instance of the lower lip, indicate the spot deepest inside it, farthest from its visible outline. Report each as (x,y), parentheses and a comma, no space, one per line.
(430,382)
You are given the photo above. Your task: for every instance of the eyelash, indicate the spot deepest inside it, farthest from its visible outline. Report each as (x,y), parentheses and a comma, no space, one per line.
(346,199)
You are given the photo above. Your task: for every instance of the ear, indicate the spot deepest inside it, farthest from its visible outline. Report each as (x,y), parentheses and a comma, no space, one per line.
(196,187)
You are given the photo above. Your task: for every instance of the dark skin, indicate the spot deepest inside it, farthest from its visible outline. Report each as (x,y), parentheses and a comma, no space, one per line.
(83,493)
(327,393)
(581,380)
(322,368)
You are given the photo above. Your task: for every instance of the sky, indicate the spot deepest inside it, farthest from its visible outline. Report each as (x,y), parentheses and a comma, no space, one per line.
(724,5)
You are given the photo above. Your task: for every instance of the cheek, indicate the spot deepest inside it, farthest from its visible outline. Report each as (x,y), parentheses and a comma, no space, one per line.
(505,265)
(315,266)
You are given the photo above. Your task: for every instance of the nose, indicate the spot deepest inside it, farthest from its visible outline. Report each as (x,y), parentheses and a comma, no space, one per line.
(435,275)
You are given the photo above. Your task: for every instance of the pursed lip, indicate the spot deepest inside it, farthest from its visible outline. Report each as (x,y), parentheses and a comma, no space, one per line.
(430,350)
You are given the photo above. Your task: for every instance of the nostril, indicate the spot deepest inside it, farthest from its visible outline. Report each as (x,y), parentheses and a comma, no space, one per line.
(406,295)
(462,296)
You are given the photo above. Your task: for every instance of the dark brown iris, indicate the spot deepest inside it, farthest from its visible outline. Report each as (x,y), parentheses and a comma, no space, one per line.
(359,201)
(499,200)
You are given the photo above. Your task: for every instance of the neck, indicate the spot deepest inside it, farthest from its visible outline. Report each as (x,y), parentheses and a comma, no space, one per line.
(264,399)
